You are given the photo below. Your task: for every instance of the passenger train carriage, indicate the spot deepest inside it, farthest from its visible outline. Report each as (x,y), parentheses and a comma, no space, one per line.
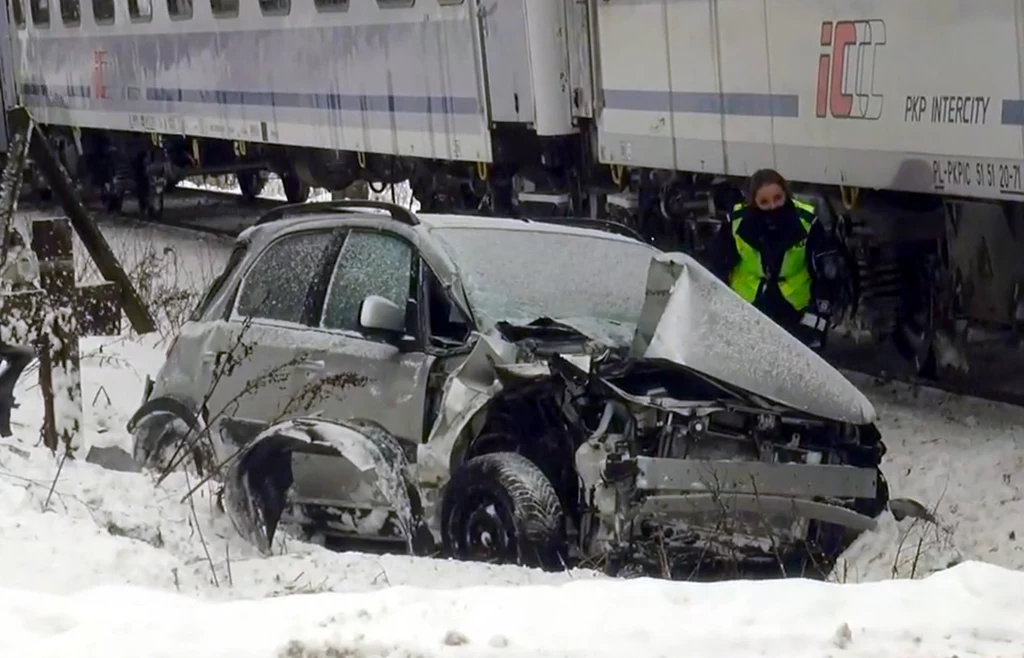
(903,120)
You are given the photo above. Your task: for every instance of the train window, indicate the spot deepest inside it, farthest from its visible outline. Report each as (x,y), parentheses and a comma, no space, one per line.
(180,9)
(331,5)
(40,12)
(19,13)
(395,4)
(71,12)
(276,7)
(224,8)
(450,2)
(103,11)
(140,11)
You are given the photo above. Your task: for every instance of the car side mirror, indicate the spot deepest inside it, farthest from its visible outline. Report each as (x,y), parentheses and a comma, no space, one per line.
(381,315)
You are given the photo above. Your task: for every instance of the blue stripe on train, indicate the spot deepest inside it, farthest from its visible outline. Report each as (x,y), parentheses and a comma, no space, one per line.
(319,101)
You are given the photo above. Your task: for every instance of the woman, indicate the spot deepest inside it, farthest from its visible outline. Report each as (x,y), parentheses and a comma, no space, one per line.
(771,253)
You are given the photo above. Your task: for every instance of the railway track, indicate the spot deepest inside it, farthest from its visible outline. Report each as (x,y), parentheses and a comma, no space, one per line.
(997,374)
(212,212)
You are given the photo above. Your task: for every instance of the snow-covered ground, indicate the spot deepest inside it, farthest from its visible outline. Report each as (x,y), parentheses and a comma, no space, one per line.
(107,565)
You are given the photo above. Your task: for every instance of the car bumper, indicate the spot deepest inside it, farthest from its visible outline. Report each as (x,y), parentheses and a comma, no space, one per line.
(675,488)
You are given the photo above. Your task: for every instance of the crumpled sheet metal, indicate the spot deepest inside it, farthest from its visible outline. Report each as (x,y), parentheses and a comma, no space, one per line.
(692,318)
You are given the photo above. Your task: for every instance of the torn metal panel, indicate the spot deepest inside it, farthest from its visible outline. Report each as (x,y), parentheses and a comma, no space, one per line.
(691,318)
(469,388)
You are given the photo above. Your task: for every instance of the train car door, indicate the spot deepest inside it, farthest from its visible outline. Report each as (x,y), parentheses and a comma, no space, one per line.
(581,74)
(507,58)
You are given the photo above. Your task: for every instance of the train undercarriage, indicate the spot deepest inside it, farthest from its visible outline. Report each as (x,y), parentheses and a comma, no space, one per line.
(929,274)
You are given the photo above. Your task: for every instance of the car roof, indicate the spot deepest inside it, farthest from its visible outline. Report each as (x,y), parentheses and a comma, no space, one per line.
(416,227)
(358,212)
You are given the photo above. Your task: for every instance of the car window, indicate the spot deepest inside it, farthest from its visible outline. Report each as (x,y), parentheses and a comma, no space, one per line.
(236,258)
(275,288)
(370,263)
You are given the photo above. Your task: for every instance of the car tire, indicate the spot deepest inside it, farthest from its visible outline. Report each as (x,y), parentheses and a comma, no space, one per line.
(500,507)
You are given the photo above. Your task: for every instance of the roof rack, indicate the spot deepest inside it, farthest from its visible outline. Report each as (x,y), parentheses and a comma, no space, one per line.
(397,212)
(597,224)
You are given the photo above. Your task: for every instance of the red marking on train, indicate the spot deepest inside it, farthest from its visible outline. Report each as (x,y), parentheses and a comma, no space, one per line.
(99,89)
(830,98)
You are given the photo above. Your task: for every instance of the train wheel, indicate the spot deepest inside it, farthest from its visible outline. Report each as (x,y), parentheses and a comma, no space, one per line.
(251,182)
(113,198)
(295,189)
(154,202)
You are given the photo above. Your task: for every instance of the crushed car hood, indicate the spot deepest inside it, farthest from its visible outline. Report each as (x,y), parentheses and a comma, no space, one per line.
(693,319)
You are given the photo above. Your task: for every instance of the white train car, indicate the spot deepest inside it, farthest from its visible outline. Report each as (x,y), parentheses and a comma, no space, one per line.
(903,120)
(323,91)
(919,96)
(905,116)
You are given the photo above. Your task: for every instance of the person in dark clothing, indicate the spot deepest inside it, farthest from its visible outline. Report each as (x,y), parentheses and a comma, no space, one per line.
(775,254)
(19,272)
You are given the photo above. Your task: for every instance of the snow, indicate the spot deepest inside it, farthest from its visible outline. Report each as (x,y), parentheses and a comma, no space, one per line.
(962,458)
(110,566)
(973,609)
(274,190)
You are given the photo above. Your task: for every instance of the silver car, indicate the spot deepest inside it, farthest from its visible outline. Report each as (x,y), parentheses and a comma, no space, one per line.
(540,392)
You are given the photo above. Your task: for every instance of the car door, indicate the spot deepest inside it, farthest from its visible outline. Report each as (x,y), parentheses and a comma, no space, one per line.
(252,356)
(351,374)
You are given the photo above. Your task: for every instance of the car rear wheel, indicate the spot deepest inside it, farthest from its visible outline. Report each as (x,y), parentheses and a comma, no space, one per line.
(501,508)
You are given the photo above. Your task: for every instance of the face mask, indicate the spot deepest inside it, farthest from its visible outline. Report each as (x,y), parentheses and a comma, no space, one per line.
(774,214)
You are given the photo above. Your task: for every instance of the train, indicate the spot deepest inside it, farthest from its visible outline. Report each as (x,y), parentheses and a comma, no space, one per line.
(648,112)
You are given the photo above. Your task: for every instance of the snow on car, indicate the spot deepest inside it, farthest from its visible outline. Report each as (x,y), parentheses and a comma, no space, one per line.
(534,392)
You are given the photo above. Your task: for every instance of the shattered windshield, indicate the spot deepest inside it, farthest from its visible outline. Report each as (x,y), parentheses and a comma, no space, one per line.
(591,282)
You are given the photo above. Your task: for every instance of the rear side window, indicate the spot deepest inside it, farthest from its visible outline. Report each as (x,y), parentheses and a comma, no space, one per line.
(276,287)
(237,254)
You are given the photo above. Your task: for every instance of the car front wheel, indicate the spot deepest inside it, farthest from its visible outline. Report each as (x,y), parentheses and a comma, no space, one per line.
(501,508)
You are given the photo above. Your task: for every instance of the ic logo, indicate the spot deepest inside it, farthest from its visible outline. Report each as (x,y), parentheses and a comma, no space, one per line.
(846,70)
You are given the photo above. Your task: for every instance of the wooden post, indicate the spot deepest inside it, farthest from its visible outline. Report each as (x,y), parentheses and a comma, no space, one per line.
(39,148)
(21,129)
(52,319)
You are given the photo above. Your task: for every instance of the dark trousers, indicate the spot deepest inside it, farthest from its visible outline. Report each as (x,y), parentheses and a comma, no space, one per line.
(16,359)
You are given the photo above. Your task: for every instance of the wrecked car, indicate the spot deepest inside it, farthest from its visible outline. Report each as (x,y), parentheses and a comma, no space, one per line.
(539,392)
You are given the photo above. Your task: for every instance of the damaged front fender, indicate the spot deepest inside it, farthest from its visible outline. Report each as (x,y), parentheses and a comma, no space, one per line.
(467,391)
(354,469)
